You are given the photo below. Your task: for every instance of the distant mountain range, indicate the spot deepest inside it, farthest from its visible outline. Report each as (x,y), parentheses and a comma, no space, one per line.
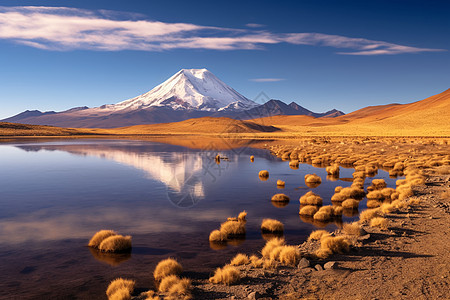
(190,93)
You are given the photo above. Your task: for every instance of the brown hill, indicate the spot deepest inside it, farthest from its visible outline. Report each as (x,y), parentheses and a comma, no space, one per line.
(206,125)
(425,117)
(15,129)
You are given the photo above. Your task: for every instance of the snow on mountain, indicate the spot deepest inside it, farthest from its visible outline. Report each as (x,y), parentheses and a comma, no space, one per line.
(196,89)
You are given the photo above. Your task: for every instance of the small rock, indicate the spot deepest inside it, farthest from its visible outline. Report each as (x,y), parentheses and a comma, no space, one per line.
(252,295)
(318,267)
(330,265)
(364,237)
(304,263)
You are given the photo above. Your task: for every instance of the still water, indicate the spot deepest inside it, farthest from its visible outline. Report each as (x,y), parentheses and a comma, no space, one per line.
(54,195)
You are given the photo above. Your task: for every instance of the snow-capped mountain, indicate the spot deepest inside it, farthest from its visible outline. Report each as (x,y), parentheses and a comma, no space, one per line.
(190,93)
(196,89)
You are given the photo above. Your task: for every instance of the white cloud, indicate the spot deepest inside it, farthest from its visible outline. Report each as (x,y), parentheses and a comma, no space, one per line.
(267,79)
(62,28)
(254,25)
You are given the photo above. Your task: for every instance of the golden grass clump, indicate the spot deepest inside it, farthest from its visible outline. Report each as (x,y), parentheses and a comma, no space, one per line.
(232,228)
(317,235)
(333,170)
(371,170)
(375,195)
(326,213)
(330,245)
(337,189)
(177,288)
(387,192)
(271,225)
(115,243)
(379,184)
(263,173)
(352,229)
(98,237)
(252,158)
(227,275)
(379,222)
(373,204)
(280,198)
(120,289)
(360,174)
(240,259)
(280,183)
(270,245)
(217,237)
(242,216)
(387,208)
(289,255)
(294,163)
(369,214)
(167,267)
(310,198)
(350,203)
(312,178)
(405,191)
(308,210)
(256,261)
(348,192)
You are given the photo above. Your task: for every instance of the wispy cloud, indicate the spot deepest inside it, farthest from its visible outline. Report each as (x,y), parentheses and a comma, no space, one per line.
(254,25)
(61,28)
(267,79)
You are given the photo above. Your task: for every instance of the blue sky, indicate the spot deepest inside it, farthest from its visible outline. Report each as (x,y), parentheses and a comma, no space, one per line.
(320,54)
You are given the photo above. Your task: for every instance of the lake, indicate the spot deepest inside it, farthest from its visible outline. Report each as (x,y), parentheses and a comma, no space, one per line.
(55,194)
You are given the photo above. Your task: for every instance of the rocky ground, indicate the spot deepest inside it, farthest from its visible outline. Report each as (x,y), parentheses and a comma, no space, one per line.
(410,260)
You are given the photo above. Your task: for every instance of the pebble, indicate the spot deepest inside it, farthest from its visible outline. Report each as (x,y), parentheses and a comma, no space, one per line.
(330,265)
(304,263)
(318,267)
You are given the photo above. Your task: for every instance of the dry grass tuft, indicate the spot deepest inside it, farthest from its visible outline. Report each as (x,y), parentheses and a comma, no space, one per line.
(116,243)
(256,261)
(379,184)
(240,259)
(242,216)
(352,229)
(167,267)
(373,204)
(270,245)
(337,189)
(369,214)
(350,203)
(317,235)
(280,183)
(232,229)
(379,222)
(167,282)
(387,208)
(280,198)
(310,198)
(97,239)
(217,237)
(289,255)
(271,225)
(121,288)
(308,210)
(263,175)
(333,170)
(227,275)
(252,158)
(312,178)
(375,195)
(330,245)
